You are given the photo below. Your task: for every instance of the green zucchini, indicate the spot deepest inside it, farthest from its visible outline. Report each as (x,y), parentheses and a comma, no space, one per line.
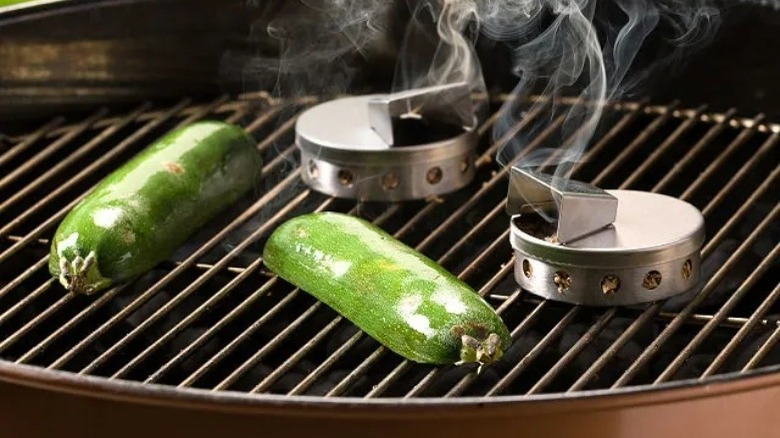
(393,293)
(140,214)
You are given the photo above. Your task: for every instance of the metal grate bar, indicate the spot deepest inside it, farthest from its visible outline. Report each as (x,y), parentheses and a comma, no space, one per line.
(312,377)
(13,284)
(266,383)
(502,239)
(209,334)
(299,353)
(607,138)
(203,111)
(488,124)
(355,374)
(20,333)
(303,351)
(611,351)
(212,300)
(73,157)
(202,250)
(487,156)
(572,352)
(640,139)
(762,352)
(653,309)
(472,233)
(193,286)
(768,302)
(302,365)
(41,346)
(663,148)
(502,273)
(153,114)
(209,365)
(457,214)
(251,329)
(727,307)
(278,133)
(676,323)
(49,150)
(97,164)
(195,115)
(701,319)
(526,361)
(30,140)
(741,139)
(263,118)
(760,191)
(26,300)
(213,329)
(521,328)
(744,171)
(497,244)
(426,381)
(695,151)
(271,345)
(267,347)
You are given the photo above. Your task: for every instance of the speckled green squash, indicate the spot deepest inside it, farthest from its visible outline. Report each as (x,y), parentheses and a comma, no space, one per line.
(396,295)
(144,211)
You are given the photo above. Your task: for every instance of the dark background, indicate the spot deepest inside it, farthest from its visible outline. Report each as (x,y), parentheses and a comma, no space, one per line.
(68,57)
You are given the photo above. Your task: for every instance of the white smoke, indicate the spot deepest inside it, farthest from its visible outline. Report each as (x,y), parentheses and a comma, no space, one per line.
(581,49)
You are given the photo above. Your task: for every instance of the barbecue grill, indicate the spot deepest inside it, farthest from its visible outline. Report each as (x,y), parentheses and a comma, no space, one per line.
(211,344)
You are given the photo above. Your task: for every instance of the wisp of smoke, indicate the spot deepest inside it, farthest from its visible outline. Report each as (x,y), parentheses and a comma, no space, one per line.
(312,40)
(583,50)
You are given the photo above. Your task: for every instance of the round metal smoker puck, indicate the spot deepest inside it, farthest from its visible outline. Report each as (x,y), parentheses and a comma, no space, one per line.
(650,252)
(342,155)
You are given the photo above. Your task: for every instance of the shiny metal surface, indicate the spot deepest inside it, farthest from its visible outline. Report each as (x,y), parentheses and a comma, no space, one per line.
(344,153)
(450,103)
(650,252)
(575,208)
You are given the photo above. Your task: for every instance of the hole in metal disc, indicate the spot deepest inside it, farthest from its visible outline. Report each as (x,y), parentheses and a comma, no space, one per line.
(464,165)
(345,177)
(314,172)
(390,181)
(562,280)
(687,269)
(652,280)
(527,268)
(434,175)
(610,284)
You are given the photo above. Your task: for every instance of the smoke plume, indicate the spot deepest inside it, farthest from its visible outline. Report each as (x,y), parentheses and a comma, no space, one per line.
(581,49)
(585,50)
